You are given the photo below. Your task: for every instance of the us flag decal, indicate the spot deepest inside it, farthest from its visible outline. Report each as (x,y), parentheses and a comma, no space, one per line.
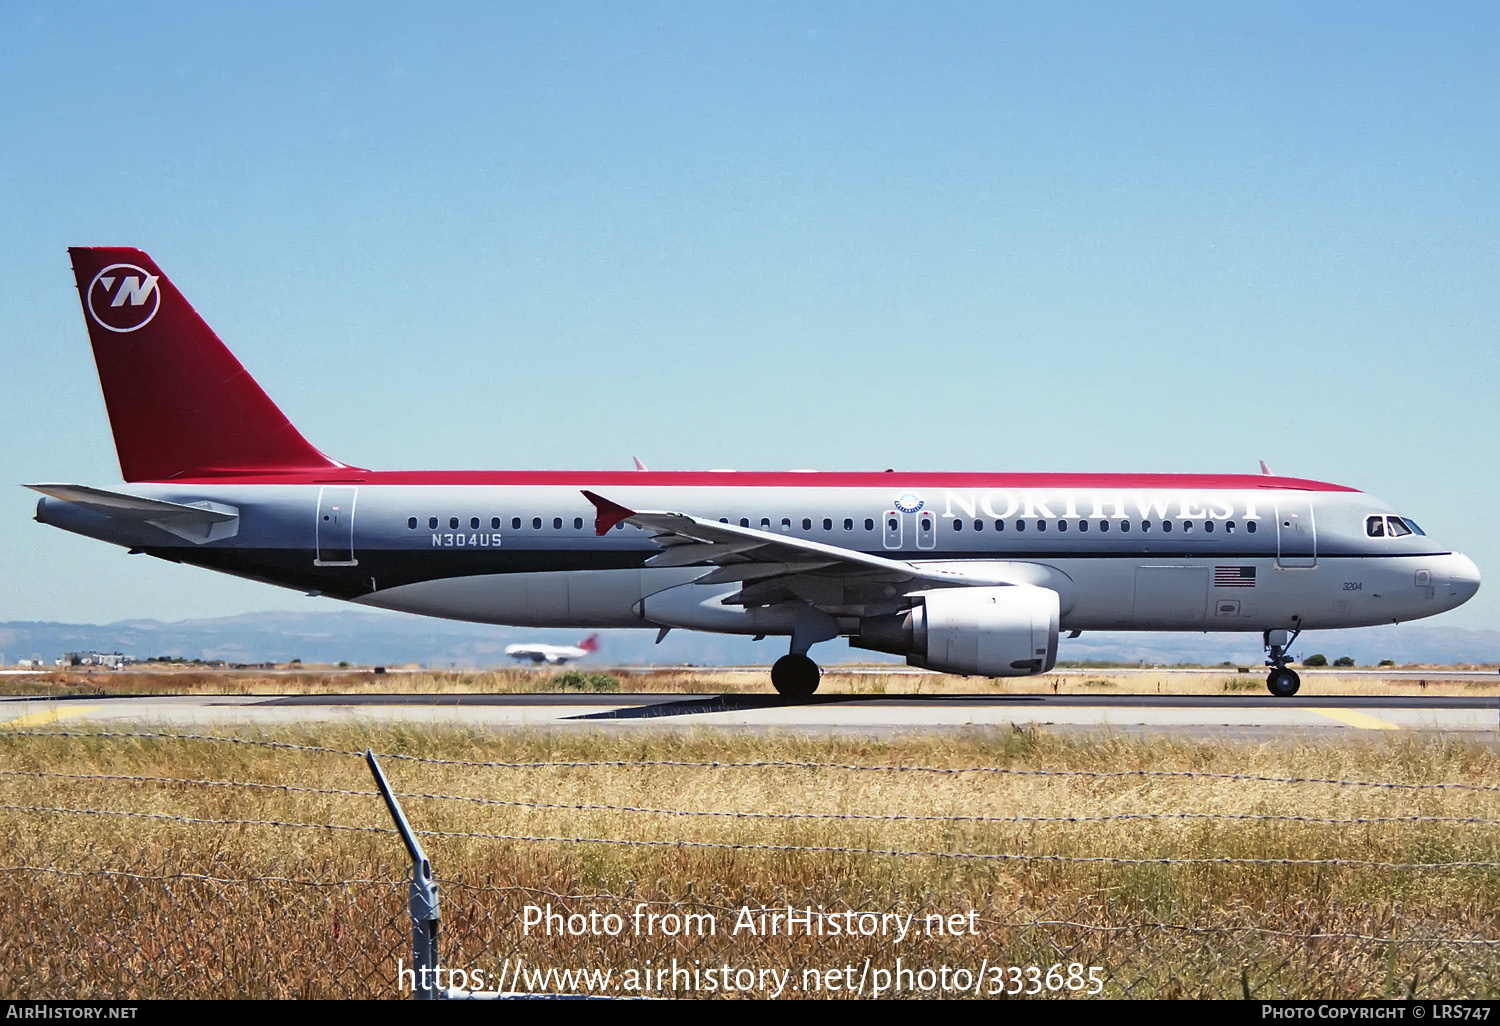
(1234,577)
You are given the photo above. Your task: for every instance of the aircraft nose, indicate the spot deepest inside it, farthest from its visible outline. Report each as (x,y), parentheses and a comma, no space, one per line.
(1463,578)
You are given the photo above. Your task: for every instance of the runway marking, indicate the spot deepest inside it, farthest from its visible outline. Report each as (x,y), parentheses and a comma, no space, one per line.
(38,719)
(1350,718)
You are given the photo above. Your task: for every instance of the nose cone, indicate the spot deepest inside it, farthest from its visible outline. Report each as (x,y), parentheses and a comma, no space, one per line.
(1463,578)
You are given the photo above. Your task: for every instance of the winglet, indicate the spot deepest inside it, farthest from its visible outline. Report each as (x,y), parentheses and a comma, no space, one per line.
(607,514)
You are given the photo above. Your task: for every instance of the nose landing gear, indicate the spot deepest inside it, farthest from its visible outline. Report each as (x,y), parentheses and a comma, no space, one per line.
(1282,682)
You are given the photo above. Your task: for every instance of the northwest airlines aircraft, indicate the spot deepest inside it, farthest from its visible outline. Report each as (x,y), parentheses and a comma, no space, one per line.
(553,655)
(965,573)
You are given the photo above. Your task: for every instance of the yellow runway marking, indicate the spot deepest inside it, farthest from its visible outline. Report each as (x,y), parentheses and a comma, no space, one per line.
(1350,718)
(38,719)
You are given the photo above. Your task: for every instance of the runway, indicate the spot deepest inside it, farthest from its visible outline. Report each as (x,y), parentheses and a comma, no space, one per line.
(1185,715)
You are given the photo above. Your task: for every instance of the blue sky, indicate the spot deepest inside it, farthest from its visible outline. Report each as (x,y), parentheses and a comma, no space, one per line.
(930,236)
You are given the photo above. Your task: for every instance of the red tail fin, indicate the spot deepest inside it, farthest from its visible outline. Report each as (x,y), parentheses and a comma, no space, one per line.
(590,643)
(179,402)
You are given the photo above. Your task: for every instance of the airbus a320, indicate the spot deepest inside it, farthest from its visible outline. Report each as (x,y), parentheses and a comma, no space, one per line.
(975,574)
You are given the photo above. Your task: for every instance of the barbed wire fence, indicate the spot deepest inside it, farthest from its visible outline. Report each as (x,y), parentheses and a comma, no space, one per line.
(162,905)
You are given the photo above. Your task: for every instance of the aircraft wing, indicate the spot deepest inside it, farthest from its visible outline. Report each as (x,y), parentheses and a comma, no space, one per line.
(776,567)
(198,523)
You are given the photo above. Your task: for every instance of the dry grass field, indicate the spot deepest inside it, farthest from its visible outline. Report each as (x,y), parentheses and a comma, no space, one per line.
(1181,868)
(836,680)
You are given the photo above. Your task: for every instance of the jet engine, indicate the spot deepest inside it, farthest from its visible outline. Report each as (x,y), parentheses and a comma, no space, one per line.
(987,632)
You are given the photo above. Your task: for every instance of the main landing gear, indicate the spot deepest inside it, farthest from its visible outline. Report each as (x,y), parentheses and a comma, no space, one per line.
(1282,682)
(795,676)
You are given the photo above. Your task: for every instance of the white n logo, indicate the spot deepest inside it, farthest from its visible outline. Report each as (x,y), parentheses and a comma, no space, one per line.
(123,297)
(132,290)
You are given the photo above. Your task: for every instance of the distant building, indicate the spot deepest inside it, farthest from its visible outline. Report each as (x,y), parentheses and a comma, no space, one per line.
(112,660)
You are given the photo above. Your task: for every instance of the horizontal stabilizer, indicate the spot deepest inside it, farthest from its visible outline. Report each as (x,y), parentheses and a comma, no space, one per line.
(196,523)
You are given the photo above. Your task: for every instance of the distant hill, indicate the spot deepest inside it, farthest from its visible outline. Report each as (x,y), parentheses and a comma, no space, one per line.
(396,639)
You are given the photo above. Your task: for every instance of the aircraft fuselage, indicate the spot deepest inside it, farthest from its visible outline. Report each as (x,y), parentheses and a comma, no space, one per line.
(1231,554)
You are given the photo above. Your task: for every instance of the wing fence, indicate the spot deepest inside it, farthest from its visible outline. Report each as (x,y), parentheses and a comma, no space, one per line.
(147,864)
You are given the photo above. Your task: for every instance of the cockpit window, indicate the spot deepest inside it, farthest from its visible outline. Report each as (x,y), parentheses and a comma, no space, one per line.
(1397,527)
(1409,522)
(1375,527)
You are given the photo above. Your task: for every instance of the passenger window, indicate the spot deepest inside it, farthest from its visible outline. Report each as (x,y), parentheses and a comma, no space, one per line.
(1250,526)
(1208,527)
(786,523)
(1083,526)
(557,523)
(432,523)
(1124,526)
(723,520)
(848,524)
(536,523)
(1398,528)
(744,521)
(999,525)
(806,524)
(453,523)
(979,525)
(578,523)
(1062,525)
(765,523)
(473,523)
(1166,527)
(1375,527)
(411,523)
(1229,527)
(1145,526)
(869,524)
(958,525)
(494,523)
(1104,525)
(1187,527)
(828,523)
(1020,525)
(515,523)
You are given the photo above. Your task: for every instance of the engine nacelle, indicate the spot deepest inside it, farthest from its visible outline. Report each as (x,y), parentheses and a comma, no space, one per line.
(987,632)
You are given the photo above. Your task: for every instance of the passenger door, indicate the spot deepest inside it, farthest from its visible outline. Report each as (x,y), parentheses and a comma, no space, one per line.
(1296,534)
(334,529)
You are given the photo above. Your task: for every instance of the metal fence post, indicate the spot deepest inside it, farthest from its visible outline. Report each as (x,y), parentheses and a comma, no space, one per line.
(423,896)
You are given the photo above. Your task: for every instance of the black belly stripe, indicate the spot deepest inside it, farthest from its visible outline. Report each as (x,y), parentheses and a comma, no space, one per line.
(391,568)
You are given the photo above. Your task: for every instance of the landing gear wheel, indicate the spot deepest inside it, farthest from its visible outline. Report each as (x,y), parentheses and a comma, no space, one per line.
(795,676)
(1283,683)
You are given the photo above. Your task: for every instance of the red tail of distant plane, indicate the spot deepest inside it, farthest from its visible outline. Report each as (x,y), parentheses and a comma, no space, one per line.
(179,403)
(590,643)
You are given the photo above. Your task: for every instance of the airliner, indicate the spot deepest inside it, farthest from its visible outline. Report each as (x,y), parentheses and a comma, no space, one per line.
(554,655)
(974,574)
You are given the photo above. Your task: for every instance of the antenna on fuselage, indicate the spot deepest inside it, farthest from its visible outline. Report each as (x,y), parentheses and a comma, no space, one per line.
(1265,470)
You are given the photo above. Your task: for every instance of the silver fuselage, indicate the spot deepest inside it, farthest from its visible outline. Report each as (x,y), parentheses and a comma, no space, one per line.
(1128,558)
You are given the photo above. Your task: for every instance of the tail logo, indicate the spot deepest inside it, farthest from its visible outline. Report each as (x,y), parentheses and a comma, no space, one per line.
(123,297)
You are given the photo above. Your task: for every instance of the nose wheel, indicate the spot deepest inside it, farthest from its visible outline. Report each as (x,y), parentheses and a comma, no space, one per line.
(795,676)
(1281,682)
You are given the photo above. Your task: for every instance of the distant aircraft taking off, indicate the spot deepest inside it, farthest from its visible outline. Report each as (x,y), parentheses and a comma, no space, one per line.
(554,655)
(965,573)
